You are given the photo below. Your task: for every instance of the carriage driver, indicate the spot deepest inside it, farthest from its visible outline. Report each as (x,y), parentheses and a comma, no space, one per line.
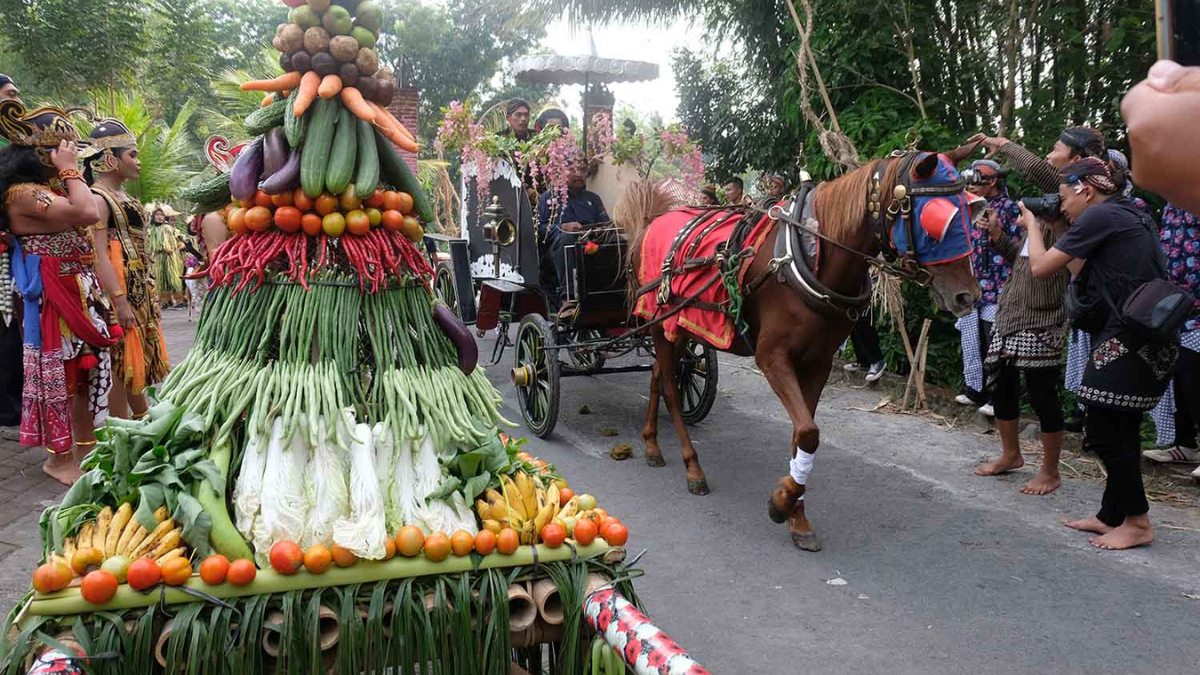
(582,209)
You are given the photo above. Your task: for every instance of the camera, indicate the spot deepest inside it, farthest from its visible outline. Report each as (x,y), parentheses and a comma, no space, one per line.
(977,177)
(1046,207)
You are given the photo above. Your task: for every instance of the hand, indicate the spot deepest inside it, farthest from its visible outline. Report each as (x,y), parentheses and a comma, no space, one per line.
(125,315)
(65,156)
(1160,114)
(1028,221)
(988,222)
(571,227)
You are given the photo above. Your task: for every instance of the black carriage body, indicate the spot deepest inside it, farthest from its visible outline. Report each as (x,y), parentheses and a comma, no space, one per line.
(510,251)
(597,279)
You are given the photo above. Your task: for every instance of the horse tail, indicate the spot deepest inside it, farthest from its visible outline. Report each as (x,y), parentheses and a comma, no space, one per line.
(642,202)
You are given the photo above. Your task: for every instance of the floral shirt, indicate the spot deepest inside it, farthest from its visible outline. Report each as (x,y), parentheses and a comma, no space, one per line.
(1180,238)
(991,269)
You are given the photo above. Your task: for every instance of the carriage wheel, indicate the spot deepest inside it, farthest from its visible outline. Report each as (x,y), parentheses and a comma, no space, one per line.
(536,375)
(587,360)
(443,287)
(697,381)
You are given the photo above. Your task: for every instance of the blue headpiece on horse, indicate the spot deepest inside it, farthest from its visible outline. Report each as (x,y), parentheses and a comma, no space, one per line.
(940,209)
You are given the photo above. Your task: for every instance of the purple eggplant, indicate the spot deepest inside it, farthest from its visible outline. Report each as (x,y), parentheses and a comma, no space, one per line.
(275,152)
(464,342)
(286,178)
(243,178)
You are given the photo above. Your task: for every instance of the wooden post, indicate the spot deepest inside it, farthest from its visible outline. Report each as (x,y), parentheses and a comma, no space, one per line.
(916,360)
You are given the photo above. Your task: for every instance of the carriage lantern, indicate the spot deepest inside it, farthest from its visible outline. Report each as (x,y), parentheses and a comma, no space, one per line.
(499,229)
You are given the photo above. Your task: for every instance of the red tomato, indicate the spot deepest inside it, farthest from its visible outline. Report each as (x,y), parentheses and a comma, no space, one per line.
(262,199)
(237,221)
(287,218)
(615,534)
(585,531)
(258,218)
(241,572)
(283,199)
(214,569)
(301,200)
(286,557)
(393,220)
(391,201)
(553,535)
(326,204)
(564,495)
(358,222)
(375,201)
(311,224)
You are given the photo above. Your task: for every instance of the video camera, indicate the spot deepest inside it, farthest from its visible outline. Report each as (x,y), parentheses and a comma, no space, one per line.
(1046,207)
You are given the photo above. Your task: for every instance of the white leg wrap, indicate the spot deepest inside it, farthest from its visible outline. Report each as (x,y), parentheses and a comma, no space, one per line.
(801,466)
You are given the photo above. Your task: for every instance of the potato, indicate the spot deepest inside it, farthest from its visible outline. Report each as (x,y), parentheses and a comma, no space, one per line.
(344,48)
(292,38)
(367,62)
(316,40)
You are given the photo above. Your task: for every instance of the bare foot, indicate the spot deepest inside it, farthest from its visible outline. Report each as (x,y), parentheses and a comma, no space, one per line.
(1092,524)
(1128,535)
(62,468)
(1002,465)
(1041,484)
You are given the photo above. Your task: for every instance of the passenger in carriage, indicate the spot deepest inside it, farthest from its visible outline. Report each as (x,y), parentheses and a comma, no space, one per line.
(557,229)
(551,117)
(518,120)
(775,186)
(735,191)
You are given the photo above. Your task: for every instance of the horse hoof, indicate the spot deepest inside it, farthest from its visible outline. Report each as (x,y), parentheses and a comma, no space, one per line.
(698,487)
(806,541)
(776,514)
(656,461)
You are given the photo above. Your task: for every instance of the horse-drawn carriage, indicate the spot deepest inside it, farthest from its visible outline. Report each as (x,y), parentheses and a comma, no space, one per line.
(493,278)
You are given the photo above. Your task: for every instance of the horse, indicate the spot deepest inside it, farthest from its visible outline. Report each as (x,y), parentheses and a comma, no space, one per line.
(794,329)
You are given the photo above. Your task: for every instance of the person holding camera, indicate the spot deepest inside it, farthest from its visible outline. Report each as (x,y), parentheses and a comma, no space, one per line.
(1113,247)
(986,179)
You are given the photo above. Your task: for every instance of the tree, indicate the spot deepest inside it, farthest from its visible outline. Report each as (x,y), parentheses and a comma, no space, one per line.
(183,53)
(242,28)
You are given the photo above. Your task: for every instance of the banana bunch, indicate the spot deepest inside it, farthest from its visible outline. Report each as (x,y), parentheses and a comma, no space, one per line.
(521,503)
(118,533)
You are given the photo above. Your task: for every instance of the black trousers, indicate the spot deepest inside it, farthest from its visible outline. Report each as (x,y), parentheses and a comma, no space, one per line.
(1187,397)
(12,370)
(1114,435)
(1041,384)
(865,340)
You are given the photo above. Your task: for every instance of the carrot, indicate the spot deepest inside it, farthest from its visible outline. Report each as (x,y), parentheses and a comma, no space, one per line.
(268,100)
(393,134)
(308,92)
(385,118)
(330,86)
(357,105)
(286,81)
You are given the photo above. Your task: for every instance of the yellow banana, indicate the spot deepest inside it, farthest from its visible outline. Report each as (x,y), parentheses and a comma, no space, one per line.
(483,509)
(528,494)
(544,515)
(570,508)
(513,498)
(528,533)
(552,497)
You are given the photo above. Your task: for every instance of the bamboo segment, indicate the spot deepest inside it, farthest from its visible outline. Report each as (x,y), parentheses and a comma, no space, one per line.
(539,633)
(522,612)
(271,636)
(386,619)
(549,604)
(161,643)
(594,583)
(328,627)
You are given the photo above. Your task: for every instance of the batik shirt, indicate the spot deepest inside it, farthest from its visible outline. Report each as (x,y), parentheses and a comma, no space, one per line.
(991,268)
(1180,238)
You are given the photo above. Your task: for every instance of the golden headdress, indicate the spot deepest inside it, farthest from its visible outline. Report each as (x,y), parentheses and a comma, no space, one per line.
(108,134)
(43,128)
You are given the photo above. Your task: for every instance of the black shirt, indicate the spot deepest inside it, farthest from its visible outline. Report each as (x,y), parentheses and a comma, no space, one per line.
(585,208)
(1121,248)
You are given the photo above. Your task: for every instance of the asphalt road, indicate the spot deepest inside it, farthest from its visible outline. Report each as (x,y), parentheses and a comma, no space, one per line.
(944,572)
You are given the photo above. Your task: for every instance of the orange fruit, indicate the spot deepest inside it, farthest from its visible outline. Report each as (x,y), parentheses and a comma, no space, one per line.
(485,542)
(237,221)
(524,456)
(99,587)
(615,534)
(242,571)
(389,546)
(317,558)
(287,218)
(334,224)
(507,541)
(411,228)
(325,204)
(349,200)
(461,543)
(437,547)
(258,218)
(262,199)
(301,200)
(553,535)
(406,202)
(392,220)
(375,201)
(53,576)
(283,199)
(409,541)
(214,569)
(311,224)
(176,571)
(358,222)
(342,556)
(375,216)
(142,574)
(286,557)
(391,201)
(585,532)
(564,495)
(246,203)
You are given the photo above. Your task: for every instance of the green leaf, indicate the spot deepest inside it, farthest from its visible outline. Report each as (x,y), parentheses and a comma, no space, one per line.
(475,485)
(447,487)
(207,471)
(195,521)
(150,498)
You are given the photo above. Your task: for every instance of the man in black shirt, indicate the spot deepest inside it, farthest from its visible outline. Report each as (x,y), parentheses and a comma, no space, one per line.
(518,120)
(558,227)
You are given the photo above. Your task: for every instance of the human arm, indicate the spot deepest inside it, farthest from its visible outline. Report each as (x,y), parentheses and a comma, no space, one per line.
(1045,262)
(214,230)
(108,275)
(40,211)
(1004,244)
(1160,114)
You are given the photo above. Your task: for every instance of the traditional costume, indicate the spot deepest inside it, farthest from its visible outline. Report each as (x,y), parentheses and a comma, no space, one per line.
(164,245)
(67,325)
(141,358)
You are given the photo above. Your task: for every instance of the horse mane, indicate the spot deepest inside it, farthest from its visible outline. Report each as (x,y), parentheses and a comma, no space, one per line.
(642,202)
(841,204)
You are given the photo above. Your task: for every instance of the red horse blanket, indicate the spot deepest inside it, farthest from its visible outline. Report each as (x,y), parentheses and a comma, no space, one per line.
(715,328)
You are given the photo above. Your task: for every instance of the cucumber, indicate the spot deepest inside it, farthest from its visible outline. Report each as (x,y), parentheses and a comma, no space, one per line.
(367,178)
(341,157)
(264,119)
(294,127)
(315,156)
(223,536)
(396,172)
(209,195)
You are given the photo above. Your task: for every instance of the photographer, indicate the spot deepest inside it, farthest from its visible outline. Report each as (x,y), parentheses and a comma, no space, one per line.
(1114,248)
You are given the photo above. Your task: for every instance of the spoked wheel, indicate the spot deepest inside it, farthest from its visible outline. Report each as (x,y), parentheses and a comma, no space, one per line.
(697,381)
(587,360)
(443,286)
(536,375)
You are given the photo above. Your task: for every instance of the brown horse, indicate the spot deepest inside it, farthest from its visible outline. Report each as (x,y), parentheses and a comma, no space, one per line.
(794,342)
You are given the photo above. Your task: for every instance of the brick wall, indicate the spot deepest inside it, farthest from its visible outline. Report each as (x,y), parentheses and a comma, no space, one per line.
(404,106)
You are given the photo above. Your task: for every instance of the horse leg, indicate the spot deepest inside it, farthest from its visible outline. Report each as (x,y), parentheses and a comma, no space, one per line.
(654,455)
(787,499)
(668,356)
(803,534)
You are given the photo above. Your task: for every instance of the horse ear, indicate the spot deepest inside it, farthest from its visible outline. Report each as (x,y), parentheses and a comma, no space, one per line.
(963,151)
(925,167)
